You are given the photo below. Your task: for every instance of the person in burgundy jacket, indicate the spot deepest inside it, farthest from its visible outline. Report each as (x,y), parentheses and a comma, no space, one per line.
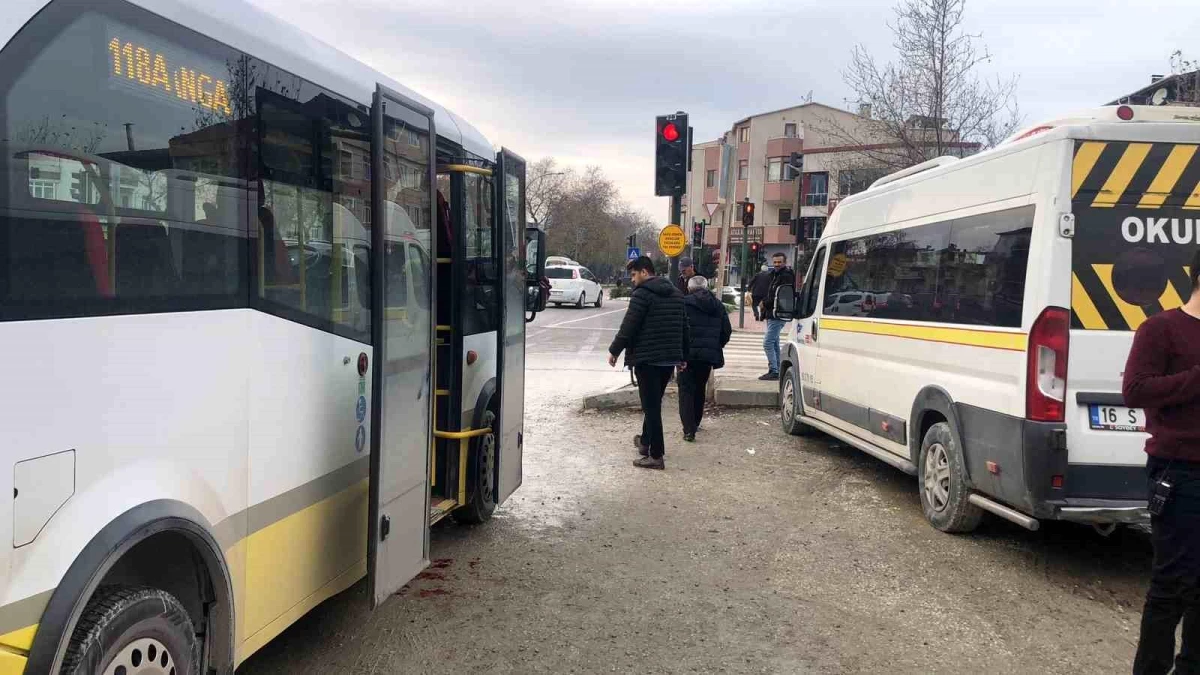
(1163,376)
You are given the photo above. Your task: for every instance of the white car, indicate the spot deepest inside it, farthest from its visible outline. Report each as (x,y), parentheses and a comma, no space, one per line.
(573,285)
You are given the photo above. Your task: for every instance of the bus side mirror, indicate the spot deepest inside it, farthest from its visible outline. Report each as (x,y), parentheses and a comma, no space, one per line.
(537,294)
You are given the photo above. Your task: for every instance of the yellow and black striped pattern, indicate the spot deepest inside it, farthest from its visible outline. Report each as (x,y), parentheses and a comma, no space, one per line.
(1109,182)
(1143,175)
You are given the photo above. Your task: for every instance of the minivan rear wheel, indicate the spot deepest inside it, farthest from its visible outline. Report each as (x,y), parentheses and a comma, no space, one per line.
(944,490)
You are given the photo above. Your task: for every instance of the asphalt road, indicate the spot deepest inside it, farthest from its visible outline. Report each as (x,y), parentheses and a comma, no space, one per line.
(754,552)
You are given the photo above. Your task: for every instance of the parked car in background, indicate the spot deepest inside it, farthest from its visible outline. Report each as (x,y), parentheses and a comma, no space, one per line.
(574,285)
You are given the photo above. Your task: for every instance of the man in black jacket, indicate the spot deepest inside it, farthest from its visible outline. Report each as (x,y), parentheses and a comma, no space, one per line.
(781,276)
(709,332)
(760,285)
(687,270)
(654,337)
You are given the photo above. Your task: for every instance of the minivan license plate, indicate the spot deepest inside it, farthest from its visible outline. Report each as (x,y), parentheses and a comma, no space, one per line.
(1117,418)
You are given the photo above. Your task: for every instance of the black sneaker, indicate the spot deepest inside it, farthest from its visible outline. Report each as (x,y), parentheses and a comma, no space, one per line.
(650,463)
(690,438)
(769,376)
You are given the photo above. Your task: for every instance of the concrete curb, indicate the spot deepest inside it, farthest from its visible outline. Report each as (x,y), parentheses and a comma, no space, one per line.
(732,394)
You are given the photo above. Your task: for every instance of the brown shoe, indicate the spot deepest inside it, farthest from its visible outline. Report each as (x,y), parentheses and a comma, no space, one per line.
(650,463)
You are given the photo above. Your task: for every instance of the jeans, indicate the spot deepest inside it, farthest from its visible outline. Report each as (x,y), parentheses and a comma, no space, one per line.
(692,385)
(771,343)
(652,384)
(1175,577)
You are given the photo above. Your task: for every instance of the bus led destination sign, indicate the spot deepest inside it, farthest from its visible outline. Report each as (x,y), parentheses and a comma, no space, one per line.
(153,70)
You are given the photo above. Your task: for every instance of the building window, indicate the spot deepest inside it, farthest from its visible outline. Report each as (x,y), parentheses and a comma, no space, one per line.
(744,135)
(816,192)
(853,181)
(785,216)
(743,169)
(774,170)
(710,178)
(789,130)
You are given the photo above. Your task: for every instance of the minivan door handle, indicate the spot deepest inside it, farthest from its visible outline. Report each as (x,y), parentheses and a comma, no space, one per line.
(814,330)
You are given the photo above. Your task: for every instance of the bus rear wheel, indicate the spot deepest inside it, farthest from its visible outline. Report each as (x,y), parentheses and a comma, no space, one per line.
(133,630)
(944,491)
(481,475)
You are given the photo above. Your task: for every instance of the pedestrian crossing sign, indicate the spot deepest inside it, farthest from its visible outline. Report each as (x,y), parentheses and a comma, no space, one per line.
(634,253)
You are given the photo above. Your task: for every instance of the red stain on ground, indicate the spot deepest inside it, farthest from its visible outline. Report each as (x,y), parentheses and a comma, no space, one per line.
(430,592)
(432,575)
(442,563)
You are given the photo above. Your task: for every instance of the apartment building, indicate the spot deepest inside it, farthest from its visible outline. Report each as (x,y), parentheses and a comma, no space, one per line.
(750,162)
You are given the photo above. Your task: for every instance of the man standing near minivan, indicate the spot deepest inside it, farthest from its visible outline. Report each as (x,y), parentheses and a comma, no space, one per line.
(654,337)
(1162,376)
(782,276)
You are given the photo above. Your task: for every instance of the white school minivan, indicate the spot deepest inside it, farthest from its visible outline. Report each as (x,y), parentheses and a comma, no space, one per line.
(1024,272)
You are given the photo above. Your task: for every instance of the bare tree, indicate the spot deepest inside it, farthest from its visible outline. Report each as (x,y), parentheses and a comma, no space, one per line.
(930,102)
(544,188)
(1187,73)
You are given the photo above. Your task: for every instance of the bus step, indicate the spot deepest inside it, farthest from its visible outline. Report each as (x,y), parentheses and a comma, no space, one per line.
(440,508)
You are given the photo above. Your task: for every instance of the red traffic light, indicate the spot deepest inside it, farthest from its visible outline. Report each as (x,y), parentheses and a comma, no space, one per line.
(670,132)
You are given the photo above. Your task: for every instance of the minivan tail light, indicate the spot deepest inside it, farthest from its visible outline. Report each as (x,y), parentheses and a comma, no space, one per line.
(1046,377)
(574,274)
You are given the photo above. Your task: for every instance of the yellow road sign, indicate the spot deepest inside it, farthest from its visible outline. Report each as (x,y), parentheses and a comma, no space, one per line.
(672,241)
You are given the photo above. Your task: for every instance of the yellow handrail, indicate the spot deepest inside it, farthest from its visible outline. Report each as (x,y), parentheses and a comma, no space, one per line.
(465,168)
(460,435)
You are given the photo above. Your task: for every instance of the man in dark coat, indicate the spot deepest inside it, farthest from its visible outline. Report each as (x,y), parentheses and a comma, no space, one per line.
(760,285)
(687,270)
(709,329)
(781,276)
(654,337)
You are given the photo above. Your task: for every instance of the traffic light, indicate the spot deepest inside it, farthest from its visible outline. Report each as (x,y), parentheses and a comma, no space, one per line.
(754,248)
(698,233)
(794,166)
(632,240)
(748,214)
(671,141)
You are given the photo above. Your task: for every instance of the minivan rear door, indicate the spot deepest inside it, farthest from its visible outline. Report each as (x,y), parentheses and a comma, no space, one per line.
(1137,223)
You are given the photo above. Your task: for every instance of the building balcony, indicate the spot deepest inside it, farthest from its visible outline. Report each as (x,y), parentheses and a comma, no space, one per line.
(784,146)
(780,192)
(772,233)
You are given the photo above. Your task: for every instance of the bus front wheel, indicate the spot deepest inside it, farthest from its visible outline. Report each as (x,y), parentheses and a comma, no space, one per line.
(135,630)
(481,475)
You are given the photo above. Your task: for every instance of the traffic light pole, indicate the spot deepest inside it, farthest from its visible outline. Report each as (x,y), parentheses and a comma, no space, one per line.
(745,268)
(676,209)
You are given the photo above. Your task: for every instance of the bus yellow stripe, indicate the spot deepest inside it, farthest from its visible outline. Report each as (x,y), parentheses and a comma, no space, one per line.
(1193,201)
(1134,316)
(1119,179)
(1165,181)
(1085,159)
(1084,308)
(959,336)
(1170,298)
(11,663)
(21,639)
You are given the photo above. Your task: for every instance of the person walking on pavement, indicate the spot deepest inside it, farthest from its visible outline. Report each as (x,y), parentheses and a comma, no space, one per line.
(709,332)
(759,286)
(781,277)
(687,270)
(1162,376)
(654,337)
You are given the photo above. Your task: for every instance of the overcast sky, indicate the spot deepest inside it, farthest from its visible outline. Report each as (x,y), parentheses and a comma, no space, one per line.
(582,80)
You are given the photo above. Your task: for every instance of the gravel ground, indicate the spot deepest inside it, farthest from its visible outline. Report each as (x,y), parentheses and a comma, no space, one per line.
(753,553)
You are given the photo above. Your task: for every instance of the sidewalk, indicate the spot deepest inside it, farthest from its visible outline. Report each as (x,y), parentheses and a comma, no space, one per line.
(731,392)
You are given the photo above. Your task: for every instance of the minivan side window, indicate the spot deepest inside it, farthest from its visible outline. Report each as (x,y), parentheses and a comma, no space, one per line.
(966,271)
(812,282)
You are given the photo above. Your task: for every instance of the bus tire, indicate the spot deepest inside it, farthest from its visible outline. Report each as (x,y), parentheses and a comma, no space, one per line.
(943,476)
(791,409)
(600,300)
(131,626)
(481,475)
(582,300)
